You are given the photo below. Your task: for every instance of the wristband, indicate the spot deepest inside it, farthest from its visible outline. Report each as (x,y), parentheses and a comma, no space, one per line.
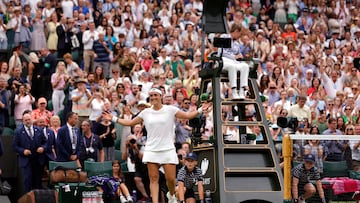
(114,119)
(323,200)
(199,110)
(295,201)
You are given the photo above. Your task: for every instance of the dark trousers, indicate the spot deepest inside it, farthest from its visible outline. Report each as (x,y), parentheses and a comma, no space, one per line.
(32,176)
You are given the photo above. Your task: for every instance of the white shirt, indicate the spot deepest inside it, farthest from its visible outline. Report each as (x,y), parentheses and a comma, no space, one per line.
(160,126)
(88,41)
(67,7)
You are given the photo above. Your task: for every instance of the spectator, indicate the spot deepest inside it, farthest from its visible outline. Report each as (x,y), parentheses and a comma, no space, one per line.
(123,191)
(300,110)
(4,104)
(101,55)
(23,101)
(41,111)
(49,68)
(80,97)
(55,124)
(88,39)
(58,81)
(38,39)
(133,154)
(64,33)
(52,34)
(35,69)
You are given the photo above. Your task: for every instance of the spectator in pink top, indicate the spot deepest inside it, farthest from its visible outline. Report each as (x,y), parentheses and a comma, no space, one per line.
(58,80)
(23,101)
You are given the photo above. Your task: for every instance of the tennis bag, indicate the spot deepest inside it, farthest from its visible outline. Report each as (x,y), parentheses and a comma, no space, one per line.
(67,175)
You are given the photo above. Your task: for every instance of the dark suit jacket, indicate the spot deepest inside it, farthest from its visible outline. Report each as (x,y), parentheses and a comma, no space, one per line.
(22,141)
(63,144)
(50,144)
(62,35)
(49,66)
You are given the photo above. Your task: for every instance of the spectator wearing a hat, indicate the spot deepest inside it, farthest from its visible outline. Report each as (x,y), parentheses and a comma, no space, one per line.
(80,97)
(305,17)
(300,110)
(302,188)
(307,77)
(187,177)
(41,111)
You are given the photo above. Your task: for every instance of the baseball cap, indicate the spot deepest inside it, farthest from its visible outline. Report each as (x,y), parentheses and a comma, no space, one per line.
(192,156)
(309,157)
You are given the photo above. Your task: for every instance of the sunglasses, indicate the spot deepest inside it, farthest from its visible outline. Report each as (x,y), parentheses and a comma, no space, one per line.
(42,103)
(186,102)
(350,129)
(115,72)
(330,104)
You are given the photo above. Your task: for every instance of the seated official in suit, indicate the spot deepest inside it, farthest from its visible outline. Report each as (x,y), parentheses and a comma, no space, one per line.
(68,140)
(30,143)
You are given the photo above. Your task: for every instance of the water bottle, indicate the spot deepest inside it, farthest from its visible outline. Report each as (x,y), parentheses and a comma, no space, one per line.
(208,196)
(86,198)
(134,196)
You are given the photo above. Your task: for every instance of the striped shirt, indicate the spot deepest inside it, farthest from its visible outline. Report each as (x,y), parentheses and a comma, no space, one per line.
(189,178)
(303,175)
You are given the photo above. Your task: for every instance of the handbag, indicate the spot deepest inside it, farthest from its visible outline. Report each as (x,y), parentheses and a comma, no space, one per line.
(5,188)
(67,175)
(74,42)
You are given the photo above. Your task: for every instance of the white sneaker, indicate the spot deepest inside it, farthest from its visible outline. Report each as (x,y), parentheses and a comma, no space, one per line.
(123,199)
(235,95)
(242,93)
(129,199)
(171,198)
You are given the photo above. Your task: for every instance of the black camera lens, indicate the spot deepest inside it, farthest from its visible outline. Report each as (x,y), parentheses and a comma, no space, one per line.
(180,156)
(132,141)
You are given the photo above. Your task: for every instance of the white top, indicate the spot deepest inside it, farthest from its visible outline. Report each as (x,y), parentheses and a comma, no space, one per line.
(96,109)
(67,7)
(87,40)
(160,126)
